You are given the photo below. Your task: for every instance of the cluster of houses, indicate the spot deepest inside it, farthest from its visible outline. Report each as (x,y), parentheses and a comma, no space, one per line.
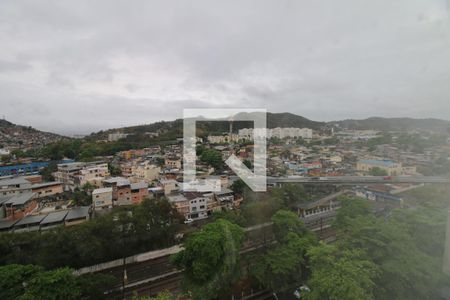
(22,205)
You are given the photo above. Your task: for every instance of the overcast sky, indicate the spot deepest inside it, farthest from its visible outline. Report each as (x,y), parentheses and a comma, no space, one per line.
(79,66)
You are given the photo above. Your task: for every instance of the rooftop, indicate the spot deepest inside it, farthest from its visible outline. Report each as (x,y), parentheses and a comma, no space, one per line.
(78,213)
(55,217)
(28,220)
(14,181)
(117,180)
(139,185)
(176,198)
(102,190)
(45,184)
(7,224)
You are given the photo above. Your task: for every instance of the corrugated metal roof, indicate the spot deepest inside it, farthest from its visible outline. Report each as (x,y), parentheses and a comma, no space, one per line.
(102,190)
(78,213)
(7,224)
(30,220)
(45,184)
(54,217)
(13,181)
(139,185)
(20,199)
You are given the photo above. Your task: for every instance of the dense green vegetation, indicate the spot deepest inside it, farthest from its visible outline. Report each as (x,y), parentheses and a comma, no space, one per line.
(396,256)
(151,225)
(33,282)
(280,266)
(211,259)
(212,157)
(377,171)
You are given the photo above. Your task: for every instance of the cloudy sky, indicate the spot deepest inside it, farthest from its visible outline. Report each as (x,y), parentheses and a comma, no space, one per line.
(78,66)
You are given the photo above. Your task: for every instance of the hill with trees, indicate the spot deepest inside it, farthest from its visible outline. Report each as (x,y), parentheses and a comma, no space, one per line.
(395,124)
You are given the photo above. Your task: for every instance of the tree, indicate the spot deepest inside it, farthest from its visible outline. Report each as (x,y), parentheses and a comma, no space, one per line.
(114,170)
(340,274)
(238,186)
(212,157)
(285,222)
(282,266)
(13,279)
(351,207)
(211,259)
(377,171)
(81,197)
(290,194)
(55,284)
(407,269)
(47,171)
(33,282)
(248,164)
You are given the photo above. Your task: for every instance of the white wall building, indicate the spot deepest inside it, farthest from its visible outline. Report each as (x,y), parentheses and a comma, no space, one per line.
(113,137)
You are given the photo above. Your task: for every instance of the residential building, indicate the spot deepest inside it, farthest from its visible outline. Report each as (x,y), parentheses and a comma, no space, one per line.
(14,186)
(102,198)
(20,205)
(121,194)
(197,205)
(66,173)
(77,174)
(392,168)
(92,174)
(173,162)
(47,189)
(139,191)
(146,171)
(181,203)
(170,186)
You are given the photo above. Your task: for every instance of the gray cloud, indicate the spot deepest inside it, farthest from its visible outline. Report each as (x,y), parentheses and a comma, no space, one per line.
(78,66)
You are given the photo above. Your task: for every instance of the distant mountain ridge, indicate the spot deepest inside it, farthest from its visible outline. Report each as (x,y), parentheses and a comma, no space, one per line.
(16,134)
(395,124)
(273,120)
(175,128)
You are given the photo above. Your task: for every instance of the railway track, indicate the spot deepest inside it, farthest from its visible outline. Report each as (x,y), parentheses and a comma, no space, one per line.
(158,274)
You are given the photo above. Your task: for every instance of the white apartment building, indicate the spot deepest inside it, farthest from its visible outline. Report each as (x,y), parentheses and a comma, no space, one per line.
(223,139)
(197,205)
(287,132)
